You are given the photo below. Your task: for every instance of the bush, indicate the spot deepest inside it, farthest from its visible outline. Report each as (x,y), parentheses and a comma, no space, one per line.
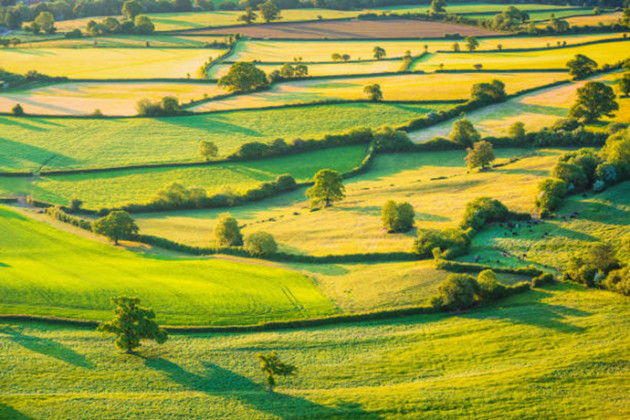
(457,292)
(489,288)
(543,279)
(464,133)
(590,267)
(17,110)
(450,242)
(397,217)
(389,140)
(551,193)
(483,210)
(260,243)
(168,105)
(227,232)
(618,281)
(572,174)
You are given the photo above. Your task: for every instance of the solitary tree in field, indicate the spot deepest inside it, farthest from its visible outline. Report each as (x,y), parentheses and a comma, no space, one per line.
(624,84)
(260,243)
(373,92)
(397,217)
(272,366)
(594,100)
(471,43)
(116,225)
(269,11)
(336,57)
(143,25)
(227,231)
(517,130)
(249,16)
(345,57)
(464,133)
(208,149)
(132,323)
(581,66)
(455,46)
(46,21)
(480,155)
(379,52)
(17,110)
(438,6)
(328,187)
(131,9)
(243,77)
(478,66)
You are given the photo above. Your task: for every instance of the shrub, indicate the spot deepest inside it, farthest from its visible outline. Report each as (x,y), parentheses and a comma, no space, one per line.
(572,174)
(488,92)
(551,193)
(464,133)
(227,232)
(483,210)
(489,288)
(457,292)
(243,77)
(618,281)
(389,140)
(543,279)
(260,243)
(17,110)
(450,242)
(168,105)
(591,266)
(397,217)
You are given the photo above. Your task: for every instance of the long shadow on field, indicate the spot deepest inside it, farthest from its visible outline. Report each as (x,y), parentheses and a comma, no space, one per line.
(46,347)
(534,312)
(217,124)
(7,412)
(217,380)
(14,154)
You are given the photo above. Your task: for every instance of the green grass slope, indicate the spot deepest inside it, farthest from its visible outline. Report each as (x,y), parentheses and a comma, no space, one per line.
(44,271)
(558,353)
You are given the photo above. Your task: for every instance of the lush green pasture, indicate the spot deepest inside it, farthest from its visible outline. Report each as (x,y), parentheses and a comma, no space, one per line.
(133,41)
(539,15)
(416,87)
(82,98)
(118,63)
(45,271)
(609,53)
(353,225)
(108,189)
(29,143)
(602,217)
(560,352)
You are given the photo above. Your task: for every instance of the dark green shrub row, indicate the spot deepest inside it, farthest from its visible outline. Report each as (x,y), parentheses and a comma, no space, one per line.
(463,267)
(543,279)
(484,210)
(62,216)
(8,200)
(37,203)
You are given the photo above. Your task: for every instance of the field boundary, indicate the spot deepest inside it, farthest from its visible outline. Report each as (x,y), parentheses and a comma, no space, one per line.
(552,47)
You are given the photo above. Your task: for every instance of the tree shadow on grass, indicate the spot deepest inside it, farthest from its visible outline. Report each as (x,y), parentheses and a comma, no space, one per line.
(218,380)
(8,412)
(46,346)
(534,312)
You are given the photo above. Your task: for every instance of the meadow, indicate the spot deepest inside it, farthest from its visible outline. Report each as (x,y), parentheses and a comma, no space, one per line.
(554,353)
(541,15)
(132,41)
(82,274)
(52,143)
(607,18)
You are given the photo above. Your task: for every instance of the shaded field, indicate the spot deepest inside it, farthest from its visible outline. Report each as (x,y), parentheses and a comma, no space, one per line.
(436,184)
(568,343)
(395,28)
(96,63)
(607,19)
(538,15)
(82,98)
(416,87)
(115,188)
(608,53)
(31,143)
(46,271)
(132,41)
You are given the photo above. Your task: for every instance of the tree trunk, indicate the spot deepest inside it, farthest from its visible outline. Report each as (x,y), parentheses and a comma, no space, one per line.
(270,389)
(129,351)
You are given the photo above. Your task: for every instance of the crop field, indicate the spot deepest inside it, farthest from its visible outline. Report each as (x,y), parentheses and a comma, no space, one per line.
(541,15)
(115,188)
(607,18)
(50,143)
(121,63)
(423,87)
(608,53)
(570,342)
(81,276)
(82,98)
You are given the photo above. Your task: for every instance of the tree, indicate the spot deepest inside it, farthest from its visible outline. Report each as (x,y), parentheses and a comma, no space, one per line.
(379,52)
(478,66)
(132,323)
(457,292)
(488,92)
(336,57)
(243,77)
(345,57)
(455,46)
(594,100)
(624,84)
(260,243)
(249,16)
(397,217)
(75,204)
(227,231)
(373,92)
(272,366)
(471,43)
(269,11)
(551,192)
(438,6)
(143,25)
(464,133)
(17,110)
(328,187)
(208,149)
(116,225)
(625,17)
(481,155)
(581,66)
(517,131)
(46,21)
(131,9)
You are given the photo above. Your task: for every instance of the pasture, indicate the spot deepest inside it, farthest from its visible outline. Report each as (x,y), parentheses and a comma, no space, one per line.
(568,343)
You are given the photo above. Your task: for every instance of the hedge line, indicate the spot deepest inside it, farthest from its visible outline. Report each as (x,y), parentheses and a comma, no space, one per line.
(462,267)
(551,47)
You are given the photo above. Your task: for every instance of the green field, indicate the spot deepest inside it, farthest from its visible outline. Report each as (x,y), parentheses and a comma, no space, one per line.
(560,352)
(416,87)
(133,41)
(115,188)
(120,99)
(109,63)
(30,143)
(609,53)
(470,8)
(45,271)
(535,16)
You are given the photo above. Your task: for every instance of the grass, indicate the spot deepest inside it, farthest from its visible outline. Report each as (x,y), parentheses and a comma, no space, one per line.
(554,353)
(46,271)
(120,99)
(30,143)
(608,53)
(535,16)
(133,41)
(117,63)
(328,69)
(400,177)
(108,189)
(415,87)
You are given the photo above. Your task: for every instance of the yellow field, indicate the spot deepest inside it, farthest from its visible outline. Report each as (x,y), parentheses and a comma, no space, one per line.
(110,98)
(97,63)
(606,19)
(136,41)
(416,87)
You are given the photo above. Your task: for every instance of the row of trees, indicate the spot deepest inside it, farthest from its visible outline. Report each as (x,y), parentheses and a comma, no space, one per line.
(269,11)
(138,24)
